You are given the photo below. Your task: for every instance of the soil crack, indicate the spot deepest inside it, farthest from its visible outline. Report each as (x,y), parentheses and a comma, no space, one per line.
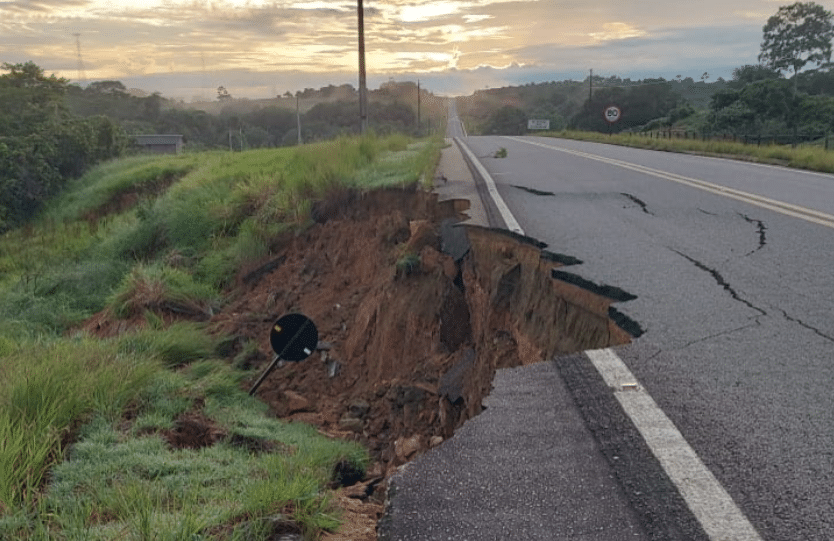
(760,227)
(719,279)
(637,201)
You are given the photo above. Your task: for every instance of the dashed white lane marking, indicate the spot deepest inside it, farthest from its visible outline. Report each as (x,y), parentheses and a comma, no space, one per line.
(796,211)
(712,506)
(508,217)
(710,503)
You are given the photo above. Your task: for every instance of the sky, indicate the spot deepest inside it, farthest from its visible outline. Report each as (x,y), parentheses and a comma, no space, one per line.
(261,48)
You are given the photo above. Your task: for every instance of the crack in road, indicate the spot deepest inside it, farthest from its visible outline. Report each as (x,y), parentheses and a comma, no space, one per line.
(756,323)
(805,325)
(721,281)
(532,190)
(761,228)
(638,201)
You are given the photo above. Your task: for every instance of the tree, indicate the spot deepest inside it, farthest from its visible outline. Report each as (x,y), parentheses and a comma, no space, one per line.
(223,94)
(744,75)
(797,35)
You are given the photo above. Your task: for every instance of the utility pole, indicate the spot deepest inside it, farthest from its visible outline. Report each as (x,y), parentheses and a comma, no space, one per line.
(298,118)
(591,86)
(418,107)
(363,90)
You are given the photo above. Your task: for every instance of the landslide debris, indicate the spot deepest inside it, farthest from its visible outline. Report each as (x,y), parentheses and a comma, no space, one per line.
(412,335)
(415,313)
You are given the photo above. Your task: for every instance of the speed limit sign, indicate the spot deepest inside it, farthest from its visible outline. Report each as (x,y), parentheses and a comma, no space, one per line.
(612,114)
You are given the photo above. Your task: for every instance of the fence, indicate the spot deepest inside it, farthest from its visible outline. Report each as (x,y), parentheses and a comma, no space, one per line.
(758,139)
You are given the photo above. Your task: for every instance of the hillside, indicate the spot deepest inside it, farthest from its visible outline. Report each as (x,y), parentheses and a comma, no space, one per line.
(150,289)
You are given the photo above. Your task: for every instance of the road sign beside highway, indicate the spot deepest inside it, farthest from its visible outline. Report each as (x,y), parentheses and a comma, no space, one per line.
(612,114)
(538,124)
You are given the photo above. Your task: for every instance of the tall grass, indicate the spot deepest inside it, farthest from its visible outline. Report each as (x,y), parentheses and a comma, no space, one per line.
(44,391)
(113,485)
(149,237)
(812,157)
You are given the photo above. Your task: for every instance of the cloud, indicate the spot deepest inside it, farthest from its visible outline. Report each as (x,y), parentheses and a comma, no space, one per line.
(617,30)
(472,42)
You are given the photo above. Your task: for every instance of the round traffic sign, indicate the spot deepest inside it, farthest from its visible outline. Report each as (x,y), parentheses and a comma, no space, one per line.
(611,114)
(294,337)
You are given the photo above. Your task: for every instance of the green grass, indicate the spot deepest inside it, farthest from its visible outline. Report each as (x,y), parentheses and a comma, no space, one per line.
(113,485)
(81,419)
(45,389)
(811,157)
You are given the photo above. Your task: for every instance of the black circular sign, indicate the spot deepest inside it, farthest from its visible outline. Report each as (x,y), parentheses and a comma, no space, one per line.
(294,337)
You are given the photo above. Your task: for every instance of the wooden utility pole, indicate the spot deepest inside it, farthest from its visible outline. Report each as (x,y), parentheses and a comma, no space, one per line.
(298,118)
(418,107)
(363,90)
(591,86)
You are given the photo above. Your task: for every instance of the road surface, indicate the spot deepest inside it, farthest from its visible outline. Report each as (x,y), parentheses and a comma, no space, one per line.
(731,264)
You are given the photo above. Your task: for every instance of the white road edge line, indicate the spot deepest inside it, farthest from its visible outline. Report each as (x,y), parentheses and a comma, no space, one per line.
(718,514)
(508,217)
(781,207)
(712,506)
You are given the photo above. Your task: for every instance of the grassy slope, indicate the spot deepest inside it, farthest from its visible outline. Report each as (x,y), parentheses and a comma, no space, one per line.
(811,157)
(133,236)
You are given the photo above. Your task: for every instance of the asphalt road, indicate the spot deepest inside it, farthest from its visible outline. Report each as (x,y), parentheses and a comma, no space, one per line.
(731,264)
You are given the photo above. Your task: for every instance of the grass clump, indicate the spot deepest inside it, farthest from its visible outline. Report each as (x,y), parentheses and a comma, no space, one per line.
(162,288)
(44,391)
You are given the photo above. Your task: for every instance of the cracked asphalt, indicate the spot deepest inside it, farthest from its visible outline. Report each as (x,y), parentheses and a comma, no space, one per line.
(735,301)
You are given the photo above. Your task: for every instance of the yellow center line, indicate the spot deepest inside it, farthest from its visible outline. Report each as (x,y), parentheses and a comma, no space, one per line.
(809,215)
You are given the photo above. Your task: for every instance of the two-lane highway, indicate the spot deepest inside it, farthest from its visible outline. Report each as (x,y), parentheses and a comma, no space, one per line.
(731,264)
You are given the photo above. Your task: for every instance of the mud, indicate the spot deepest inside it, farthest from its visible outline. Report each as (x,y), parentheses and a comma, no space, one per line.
(410,336)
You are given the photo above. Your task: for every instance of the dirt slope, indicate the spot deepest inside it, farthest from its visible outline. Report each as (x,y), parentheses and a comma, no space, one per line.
(410,336)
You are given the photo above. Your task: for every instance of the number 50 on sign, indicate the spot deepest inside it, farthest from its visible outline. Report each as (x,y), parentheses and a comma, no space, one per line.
(612,114)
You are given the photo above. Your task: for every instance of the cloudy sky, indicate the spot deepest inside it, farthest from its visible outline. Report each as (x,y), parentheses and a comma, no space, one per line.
(260,48)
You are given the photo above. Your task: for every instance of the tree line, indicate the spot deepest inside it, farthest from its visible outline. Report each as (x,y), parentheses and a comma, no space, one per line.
(42,143)
(52,131)
(759,100)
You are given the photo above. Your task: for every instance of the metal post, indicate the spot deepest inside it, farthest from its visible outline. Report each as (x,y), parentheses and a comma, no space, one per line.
(268,370)
(363,90)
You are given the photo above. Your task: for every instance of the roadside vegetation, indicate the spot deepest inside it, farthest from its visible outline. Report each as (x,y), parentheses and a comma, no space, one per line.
(811,156)
(88,425)
(784,105)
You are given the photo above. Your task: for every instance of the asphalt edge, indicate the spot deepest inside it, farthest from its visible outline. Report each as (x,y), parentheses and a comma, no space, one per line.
(648,488)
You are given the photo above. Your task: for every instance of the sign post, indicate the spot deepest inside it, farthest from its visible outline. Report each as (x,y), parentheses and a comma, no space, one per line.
(611,114)
(293,337)
(538,124)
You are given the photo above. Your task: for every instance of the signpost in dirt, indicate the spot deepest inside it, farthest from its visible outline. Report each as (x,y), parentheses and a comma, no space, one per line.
(293,337)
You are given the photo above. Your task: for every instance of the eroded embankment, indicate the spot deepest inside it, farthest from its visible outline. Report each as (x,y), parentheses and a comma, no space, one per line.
(411,335)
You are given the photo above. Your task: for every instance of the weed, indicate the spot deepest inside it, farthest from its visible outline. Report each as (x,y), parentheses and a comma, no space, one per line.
(161,288)
(501,153)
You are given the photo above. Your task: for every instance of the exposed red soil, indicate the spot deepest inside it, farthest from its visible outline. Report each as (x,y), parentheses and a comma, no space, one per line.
(411,348)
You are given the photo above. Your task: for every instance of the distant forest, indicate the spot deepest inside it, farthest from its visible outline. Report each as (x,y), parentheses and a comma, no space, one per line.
(239,124)
(52,131)
(757,101)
